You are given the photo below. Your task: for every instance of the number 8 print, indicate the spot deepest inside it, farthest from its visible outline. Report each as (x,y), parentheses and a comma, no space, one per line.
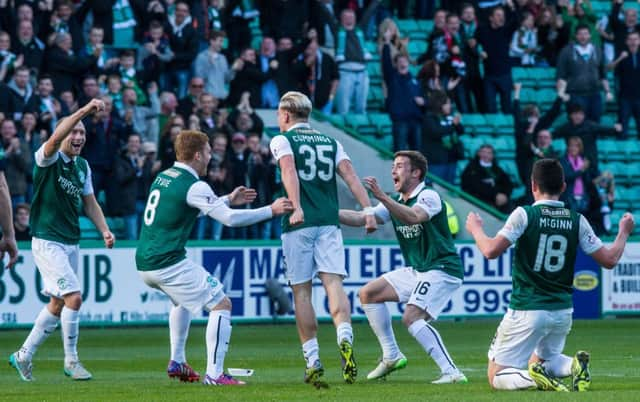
(152,204)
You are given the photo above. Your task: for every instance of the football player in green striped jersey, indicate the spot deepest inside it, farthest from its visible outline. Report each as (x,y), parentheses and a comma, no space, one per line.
(62,185)
(312,241)
(433,269)
(527,349)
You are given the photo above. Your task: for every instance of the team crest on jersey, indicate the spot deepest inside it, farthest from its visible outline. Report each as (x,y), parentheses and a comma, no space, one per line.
(81,176)
(62,284)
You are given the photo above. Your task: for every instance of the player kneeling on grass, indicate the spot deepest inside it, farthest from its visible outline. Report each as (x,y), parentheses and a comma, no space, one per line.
(176,198)
(433,273)
(534,329)
(62,184)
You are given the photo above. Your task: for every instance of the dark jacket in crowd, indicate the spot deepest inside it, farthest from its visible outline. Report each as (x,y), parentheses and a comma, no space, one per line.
(284,18)
(523,139)
(628,73)
(619,28)
(249,79)
(583,77)
(485,183)
(440,142)
(325,73)
(321,17)
(184,45)
(65,69)
(104,141)
(122,191)
(496,43)
(32,52)
(401,91)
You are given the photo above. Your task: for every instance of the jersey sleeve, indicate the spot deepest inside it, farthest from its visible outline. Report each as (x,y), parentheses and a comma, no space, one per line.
(42,160)
(280,147)
(88,184)
(589,242)
(380,211)
(341,154)
(515,226)
(430,202)
(202,197)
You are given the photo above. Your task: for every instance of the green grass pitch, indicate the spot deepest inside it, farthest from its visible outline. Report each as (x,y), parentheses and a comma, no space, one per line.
(129,364)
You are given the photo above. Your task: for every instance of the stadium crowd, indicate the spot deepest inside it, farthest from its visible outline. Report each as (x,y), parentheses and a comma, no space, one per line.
(164,65)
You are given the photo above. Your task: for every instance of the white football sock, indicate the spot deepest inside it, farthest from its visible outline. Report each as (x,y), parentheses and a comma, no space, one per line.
(44,326)
(559,366)
(179,320)
(380,322)
(344,331)
(510,379)
(429,338)
(311,351)
(218,335)
(70,324)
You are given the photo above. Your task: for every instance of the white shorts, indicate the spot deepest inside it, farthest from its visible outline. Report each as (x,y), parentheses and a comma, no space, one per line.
(308,251)
(187,284)
(431,290)
(522,332)
(58,266)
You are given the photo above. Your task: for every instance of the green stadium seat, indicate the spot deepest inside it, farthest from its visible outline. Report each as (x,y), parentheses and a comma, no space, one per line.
(559,145)
(546,96)
(520,74)
(417,48)
(375,100)
(528,95)
(118,227)
(360,123)
(542,74)
(382,122)
(477,124)
(425,25)
(88,230)
(407,27)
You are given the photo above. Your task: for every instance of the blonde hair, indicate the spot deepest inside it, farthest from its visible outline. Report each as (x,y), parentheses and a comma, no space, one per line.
(188,143)
(296,103)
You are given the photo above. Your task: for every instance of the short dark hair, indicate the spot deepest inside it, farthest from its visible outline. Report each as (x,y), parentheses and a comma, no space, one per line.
(574,108)
(417,160)
(128,53)
(582,26)
(548,175)
(155,24)
(44,76)
(215,34)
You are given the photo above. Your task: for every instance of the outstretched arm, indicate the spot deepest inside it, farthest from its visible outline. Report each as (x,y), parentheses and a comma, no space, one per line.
(94,212)
(490,247)
(608,257)
(348,174)
(66,126)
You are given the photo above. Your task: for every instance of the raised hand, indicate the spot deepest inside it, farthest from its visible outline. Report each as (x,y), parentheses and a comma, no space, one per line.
(371,184)
(242,195)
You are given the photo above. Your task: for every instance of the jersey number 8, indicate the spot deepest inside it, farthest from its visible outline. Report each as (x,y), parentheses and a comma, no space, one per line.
(152,204)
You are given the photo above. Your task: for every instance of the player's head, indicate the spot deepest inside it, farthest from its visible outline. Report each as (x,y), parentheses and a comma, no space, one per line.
(72,145)
(192,147)
(547,179)
(294,107)
(408,170)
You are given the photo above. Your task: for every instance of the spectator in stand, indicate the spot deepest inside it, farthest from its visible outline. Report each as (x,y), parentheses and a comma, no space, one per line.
(485,180)
(122,192)
(29,47)
(397,44)
(430,81)
(47,108)
(261,172)
(18,161)
(581,74)
(69,101)
(114,90)
(8,61)
(33,136)
(243,119)
(527,123)
(64,66)
(436,45)
(579,14)
(188,105)
(21,93)
(216,177)
(207,114)
(250,79)
(269,94)
(96,40)
(106,132)
(126,69)
(166,149)
(90,90)
(623,28)
(21,222)
(627,68)
(581,193)
(284,18)
(588,131)
(317,76)
(440,142)
(239,14)
(325,23)
(212,66)
(214,16)
(553,35)
(455,66)
(351,56)
(150,168)
(404,98)
(605,186)
(286,55)
(471,55)
(143,119)
(168,107)
(495,39)
(154,54)
(237,174)
(184,45)
(65,21)
(524,43)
